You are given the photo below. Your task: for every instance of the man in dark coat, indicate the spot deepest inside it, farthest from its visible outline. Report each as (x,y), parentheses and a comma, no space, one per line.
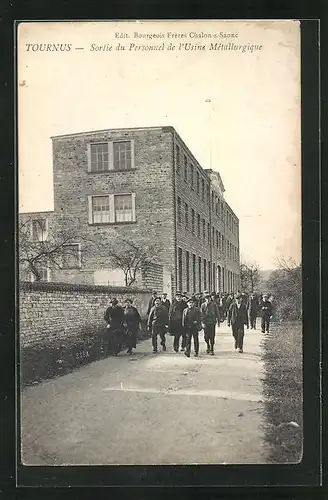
(151,302)
(266,313)
(210,316)
(158,321)
(165,301)
(114,317)
(175,321)
(237,318)
(191,322)
(132,323)
(252,308)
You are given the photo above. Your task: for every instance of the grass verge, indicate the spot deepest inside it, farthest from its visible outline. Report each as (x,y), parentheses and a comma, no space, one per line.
(283,390)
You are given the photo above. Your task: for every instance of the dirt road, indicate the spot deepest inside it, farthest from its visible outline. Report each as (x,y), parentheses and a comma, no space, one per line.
(151,409)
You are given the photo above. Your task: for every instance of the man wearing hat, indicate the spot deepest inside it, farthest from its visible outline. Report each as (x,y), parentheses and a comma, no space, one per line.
(114,317)
(237,318)
(175,321)
(151,301)
(191,323)
(157,323)
(266,311)
(165,301)
(210,316)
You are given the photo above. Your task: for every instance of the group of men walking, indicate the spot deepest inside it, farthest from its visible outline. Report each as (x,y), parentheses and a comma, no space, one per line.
(185,318)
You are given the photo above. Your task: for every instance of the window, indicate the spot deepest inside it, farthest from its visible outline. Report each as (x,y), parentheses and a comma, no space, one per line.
(204,229)
(205,273)
(122,155)
(112,208)
(185,168)
(213,202)
(192,175)
(213,236)
(193,220)
(217,239)
(179,211)
(208,232)
(199,274)
(123,208)
(203,189)
(180,268)
(186,215)
(177,158)
(197,182)
(40,229)
(187,271)
(208,196)
(71,258)
(99,157)
(100,209)
(220,247)
(209,274)
(113,155)
(193,272)
(43,271)
(216,206)
(198,225)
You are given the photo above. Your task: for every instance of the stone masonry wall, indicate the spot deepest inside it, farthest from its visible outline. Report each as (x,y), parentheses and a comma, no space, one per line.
(55,311)
(150,179)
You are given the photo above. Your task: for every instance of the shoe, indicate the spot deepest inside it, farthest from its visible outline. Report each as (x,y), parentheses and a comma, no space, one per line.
(208,350)
(129,351)
(212,353)
(176,350)
(241,351)
(263,331)
(164,347)
(182,349)
(187,354)
(155,351)
(196,354)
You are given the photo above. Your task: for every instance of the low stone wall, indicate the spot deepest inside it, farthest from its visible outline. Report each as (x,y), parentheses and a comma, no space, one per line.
(61,326)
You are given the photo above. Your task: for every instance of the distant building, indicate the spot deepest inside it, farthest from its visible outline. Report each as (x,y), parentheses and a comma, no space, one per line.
(136,179)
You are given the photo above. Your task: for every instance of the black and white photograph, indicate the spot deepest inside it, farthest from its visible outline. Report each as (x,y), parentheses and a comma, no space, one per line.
(159,235)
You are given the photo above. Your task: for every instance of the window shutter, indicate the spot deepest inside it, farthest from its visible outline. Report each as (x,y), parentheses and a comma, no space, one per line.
(134,207)
(89,157)
(132,154)
(112,217)
(90,209)
(110,156)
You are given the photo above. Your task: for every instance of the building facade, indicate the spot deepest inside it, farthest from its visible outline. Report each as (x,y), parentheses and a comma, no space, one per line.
(143,181)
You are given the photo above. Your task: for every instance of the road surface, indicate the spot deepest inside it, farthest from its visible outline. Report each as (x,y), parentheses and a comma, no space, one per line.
(149,408)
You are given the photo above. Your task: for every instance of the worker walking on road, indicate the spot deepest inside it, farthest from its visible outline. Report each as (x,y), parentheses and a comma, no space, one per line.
(158,323)
(266,312)
(191,322)
(237,318)
(175,321)
(210,316)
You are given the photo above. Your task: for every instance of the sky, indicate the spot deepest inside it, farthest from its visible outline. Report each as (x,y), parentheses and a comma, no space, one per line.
(238,112)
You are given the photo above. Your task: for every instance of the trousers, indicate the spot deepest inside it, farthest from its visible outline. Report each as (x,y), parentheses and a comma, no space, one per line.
(252,319)
(238,333)
(154,339)
(265,323)
(176,341)
(192,333)
(209,336)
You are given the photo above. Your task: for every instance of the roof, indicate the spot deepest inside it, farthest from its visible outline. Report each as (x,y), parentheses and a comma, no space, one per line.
(91,132)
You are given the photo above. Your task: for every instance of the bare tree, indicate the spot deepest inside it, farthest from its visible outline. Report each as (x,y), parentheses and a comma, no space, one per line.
(250,276)
(132,256)
(39,247)
(285,283)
